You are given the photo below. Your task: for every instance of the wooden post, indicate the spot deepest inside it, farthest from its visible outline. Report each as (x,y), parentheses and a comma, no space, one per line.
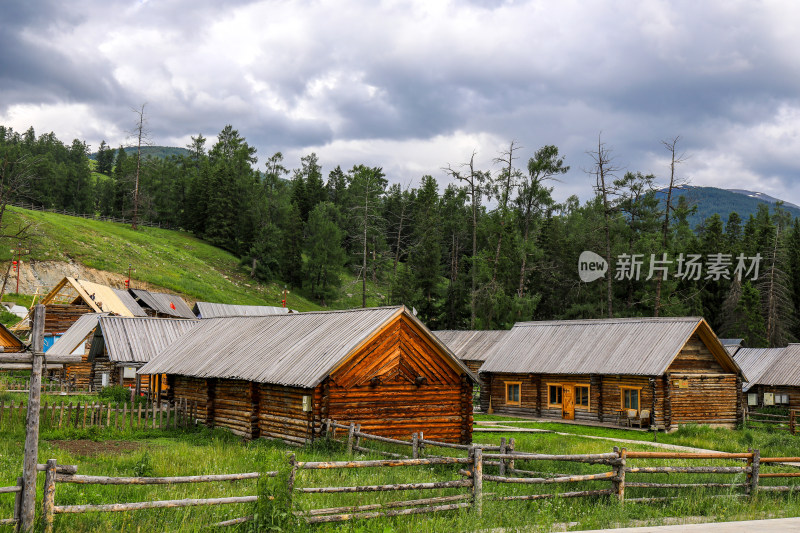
(620,481)
(124,415)
(421,446)
(290,484)
(350,435)
(477,480)
(28,513)
(138,387)
(48,500)
(108,415)
(749,476)
(791,421)
(358,437)
(415,446)
(502,467)
(510,449)
(754,473)
(18,502)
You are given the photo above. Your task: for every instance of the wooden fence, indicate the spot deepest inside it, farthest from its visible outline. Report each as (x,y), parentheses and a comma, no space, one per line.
(620,471)
(16,490)
(103,415)
(121,220)
(787,422)
(53,387)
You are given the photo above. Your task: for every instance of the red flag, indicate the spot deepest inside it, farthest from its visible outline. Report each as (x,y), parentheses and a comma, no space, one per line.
(172,305)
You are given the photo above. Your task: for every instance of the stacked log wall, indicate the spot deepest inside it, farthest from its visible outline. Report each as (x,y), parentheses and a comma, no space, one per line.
(234,407)
(400,383)
(194,391)
(281,415)
(59,317)
(704,399)
(793,392)
(80,373)
(103,366)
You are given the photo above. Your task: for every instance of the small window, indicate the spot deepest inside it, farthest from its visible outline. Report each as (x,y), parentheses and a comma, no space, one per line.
(554,394)
(581,396)
(630,399)
(513,393)
(752,399)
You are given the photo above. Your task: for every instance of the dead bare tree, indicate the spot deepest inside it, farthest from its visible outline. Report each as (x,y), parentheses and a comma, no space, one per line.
(142,135)
(675,159)
(476,181)
(604,171)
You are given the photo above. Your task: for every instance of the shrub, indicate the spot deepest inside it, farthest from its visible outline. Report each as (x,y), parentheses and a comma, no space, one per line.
(115,393)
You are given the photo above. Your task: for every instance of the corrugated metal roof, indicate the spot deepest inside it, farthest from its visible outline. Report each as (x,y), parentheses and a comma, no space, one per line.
(163,303)
(784,369)
(296,350)
(137,340)
(755,362)
(214,310)
(101,298)
(76,334)
(637,346)
(126,298)
(731,342)
(470,345)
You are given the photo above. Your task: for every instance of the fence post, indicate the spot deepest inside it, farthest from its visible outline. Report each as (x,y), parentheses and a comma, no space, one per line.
(754,473)
(618,483)
(350,436)
(502,466)
(421,445)
(510,449)
(791,421)
(18,502)
(48,500)
(477,480)
(290,484)
(358,437)
(415,446)
(28,513)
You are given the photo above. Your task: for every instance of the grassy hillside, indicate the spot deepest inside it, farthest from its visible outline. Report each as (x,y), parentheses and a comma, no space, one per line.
(171,259)
(710,200)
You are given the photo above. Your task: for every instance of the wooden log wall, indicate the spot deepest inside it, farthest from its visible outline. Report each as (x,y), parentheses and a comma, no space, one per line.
(793,392)
(695,357)
(193,390)
(234,407)
(400,383)
(81,372)
(59,317)
(704,399)
(474,366)
(100,367)
(280,413)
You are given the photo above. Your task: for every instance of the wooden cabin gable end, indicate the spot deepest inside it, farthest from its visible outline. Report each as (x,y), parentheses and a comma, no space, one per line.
(696,357)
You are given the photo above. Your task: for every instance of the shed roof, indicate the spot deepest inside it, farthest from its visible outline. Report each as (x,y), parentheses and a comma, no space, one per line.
(9,341)
(163,303)
(783,369)
(76,334)
(470,345)
(99,297)
(755,362)
(634,346)
(295,350)
(136,340)
(214,310)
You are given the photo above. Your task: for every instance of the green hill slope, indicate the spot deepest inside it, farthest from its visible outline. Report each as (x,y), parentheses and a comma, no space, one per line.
(171,259)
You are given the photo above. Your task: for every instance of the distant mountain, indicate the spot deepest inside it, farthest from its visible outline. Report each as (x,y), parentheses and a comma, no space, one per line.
(158,152)
(710,200)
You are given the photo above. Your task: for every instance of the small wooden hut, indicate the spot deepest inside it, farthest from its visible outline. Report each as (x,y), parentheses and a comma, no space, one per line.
(673,369)
(471,346)
(76,341)
(9,342)
(279,376)
(161,304)
(773,376)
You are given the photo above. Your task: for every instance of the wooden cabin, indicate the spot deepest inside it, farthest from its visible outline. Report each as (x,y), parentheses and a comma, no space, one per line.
(470,346)
(69,300)
(10,343)
(161,304)
(674,370)
(279,376)
(114,347)
(76,341)
(215,310)
(773,376)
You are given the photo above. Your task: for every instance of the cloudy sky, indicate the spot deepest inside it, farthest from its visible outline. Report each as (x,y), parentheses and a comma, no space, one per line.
(415,86)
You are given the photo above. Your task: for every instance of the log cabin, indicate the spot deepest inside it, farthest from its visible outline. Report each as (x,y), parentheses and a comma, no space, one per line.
(161,304)
(69,300)
(671,371)
(774,376)
(471,346)
(280,376)
(10,343)
(214,310)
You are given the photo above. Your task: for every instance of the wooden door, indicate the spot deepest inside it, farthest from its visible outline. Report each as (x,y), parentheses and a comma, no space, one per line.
(568,402)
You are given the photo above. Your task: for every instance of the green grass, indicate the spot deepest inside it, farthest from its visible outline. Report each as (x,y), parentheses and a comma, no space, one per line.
(202,451)
(174,260)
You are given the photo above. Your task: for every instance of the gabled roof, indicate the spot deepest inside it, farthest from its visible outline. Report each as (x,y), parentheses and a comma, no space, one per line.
(298,349)
(731,345)
(76,334)
(163,303)
(214,310)
(784,368)
(633,346)
(136,340)
(100,298)
(9,341)
(755,362)
(470,345)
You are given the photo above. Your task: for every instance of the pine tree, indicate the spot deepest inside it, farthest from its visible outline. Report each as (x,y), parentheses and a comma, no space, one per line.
(323,248)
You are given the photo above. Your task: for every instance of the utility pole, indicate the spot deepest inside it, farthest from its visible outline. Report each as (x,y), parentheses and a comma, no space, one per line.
(18,263)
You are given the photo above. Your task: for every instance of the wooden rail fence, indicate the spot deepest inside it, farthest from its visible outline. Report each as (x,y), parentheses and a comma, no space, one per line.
(65,387)
(788,421)
(154,415)
(16,490)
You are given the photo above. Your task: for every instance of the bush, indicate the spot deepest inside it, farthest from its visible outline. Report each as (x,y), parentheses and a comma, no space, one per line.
(115,393)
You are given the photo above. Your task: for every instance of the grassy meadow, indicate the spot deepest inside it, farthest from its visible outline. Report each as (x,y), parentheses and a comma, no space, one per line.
(202,451)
